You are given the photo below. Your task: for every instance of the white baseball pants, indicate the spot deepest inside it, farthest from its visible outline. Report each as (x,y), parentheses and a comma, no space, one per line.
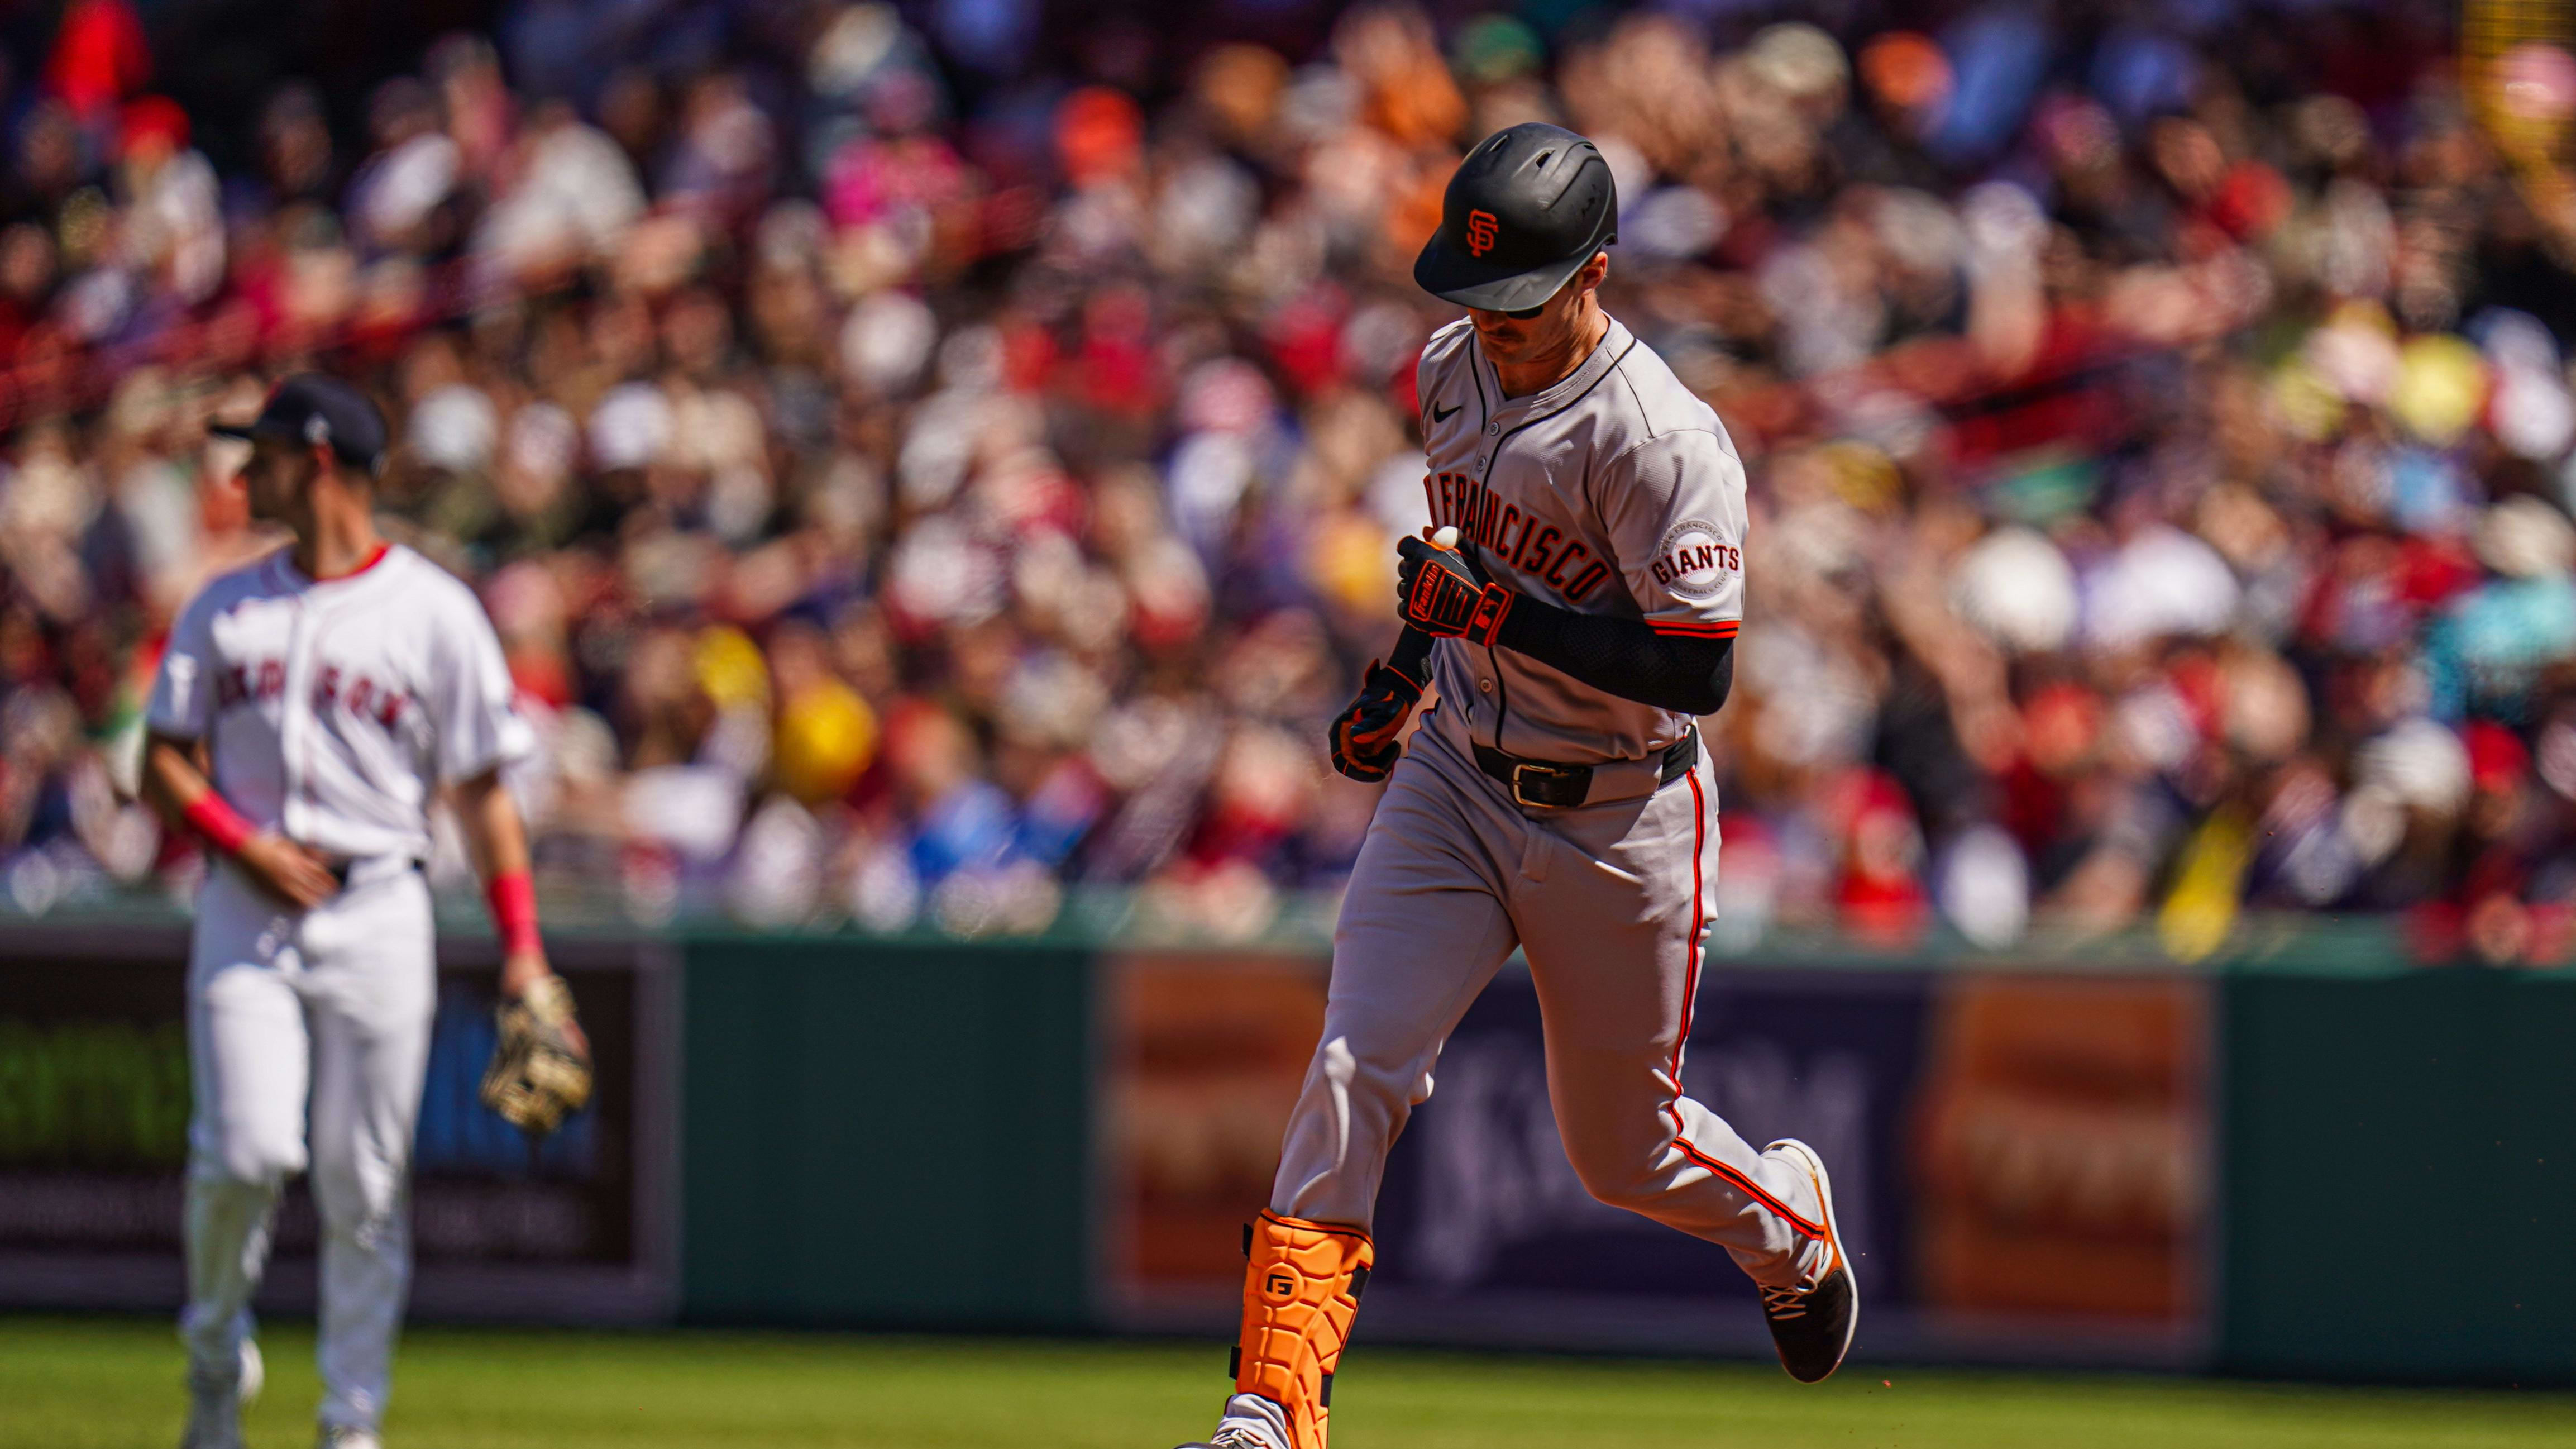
(1610,902)
(326,1012)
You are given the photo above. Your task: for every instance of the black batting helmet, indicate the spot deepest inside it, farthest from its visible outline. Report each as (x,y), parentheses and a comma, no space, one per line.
(1528,207)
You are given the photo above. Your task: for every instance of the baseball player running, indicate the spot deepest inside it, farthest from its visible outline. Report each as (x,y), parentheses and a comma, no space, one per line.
(1555,798)
(307,707)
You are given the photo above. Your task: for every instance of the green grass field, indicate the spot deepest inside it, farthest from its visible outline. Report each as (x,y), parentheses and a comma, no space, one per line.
(114,1384)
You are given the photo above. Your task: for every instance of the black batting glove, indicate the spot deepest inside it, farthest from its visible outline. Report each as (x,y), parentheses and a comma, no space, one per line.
(1365,746)
(1442,593)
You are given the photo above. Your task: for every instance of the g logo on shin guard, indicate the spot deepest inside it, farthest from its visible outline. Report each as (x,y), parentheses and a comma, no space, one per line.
(1279,1286)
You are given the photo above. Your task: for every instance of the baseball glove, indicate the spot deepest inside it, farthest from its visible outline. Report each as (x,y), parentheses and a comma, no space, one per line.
(1364,735)
(539,1074)
(1441,592)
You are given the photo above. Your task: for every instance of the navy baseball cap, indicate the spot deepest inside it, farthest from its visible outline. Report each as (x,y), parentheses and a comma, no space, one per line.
(318,409)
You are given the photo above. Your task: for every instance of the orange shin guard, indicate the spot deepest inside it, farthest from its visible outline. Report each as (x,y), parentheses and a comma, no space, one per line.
(1300,1293)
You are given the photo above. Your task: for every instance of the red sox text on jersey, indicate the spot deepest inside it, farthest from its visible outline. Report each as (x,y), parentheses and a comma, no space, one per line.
(332,710)
(265,681)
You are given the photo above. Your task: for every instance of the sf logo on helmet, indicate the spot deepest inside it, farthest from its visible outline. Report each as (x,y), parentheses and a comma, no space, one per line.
(1480,232)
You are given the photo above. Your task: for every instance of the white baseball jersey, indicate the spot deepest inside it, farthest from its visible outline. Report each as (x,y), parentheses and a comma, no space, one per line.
(1616,491)
(333,710)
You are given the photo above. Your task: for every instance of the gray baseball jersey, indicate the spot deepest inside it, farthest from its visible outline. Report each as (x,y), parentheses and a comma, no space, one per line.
(1616,491)
(1613,492)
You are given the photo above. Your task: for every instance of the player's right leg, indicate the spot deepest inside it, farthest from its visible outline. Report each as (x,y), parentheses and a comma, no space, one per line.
(248,1064)
(1422,931)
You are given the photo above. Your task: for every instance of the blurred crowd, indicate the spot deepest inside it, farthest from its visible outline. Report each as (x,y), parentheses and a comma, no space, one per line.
(928,462)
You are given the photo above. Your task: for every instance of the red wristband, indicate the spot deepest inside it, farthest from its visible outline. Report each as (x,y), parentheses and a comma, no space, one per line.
(513,898)
(217,823)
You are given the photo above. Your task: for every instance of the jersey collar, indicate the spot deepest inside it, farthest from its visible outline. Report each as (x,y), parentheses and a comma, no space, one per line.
(1604,356)
(283,561)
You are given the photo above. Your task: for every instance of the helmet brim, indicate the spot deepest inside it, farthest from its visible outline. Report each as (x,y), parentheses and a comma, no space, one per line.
(1452,275)
(279,429)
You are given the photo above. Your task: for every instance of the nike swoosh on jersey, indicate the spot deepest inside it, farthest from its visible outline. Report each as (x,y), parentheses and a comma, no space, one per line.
(1440,414)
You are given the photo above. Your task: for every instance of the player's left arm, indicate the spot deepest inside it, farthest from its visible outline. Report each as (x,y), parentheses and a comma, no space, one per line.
(1674,509)
(496,840)
(479,731)
(1627,657)
(540,1069)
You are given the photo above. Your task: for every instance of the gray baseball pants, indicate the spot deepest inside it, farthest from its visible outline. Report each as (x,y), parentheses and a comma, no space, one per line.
(1610,901)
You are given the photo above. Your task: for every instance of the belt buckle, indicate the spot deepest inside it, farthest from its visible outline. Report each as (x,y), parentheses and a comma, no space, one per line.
(1520,768)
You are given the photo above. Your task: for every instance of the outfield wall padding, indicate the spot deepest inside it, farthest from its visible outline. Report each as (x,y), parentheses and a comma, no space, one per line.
(886,1135)
(903,1135)
(924,1134)
(2400,1180)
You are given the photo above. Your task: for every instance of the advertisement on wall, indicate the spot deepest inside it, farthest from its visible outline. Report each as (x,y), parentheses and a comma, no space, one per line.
(94,1103)
(2021,1161)
(1203,1055)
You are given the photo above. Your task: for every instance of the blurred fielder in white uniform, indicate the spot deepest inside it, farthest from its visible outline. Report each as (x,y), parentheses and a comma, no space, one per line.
(308,709)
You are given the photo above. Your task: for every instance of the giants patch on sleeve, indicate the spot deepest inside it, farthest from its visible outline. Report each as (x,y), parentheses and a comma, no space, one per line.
(1691,562)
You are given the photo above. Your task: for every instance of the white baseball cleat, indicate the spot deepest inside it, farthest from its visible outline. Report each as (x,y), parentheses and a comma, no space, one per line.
(344,1436)
(1230,1439)
(214,1409)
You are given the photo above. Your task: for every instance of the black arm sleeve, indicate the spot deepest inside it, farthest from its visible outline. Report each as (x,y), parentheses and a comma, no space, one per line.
(1625,657)
(1412,656)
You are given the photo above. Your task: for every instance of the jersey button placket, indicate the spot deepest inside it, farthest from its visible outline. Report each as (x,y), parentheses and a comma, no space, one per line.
(291,721)
(1485,477)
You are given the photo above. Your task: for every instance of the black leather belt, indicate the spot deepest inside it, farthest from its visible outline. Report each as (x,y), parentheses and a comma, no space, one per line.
(341,865)
(1562,787)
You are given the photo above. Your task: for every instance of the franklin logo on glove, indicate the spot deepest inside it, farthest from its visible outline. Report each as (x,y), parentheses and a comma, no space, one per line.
(1442,592)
